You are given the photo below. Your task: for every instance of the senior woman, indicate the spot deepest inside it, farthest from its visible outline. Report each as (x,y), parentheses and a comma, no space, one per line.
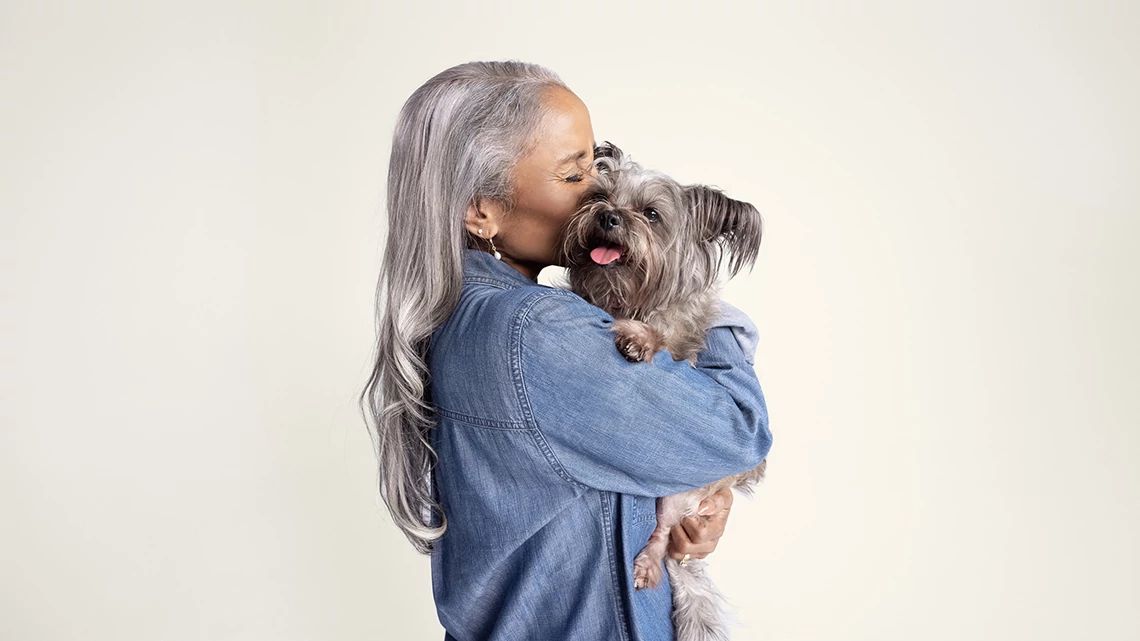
(516,445)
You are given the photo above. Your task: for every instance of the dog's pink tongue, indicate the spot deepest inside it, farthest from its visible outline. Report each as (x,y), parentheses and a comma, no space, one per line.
(605,254)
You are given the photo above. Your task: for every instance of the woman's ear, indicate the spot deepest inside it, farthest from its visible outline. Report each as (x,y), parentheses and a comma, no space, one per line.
(485,214)
(733,224)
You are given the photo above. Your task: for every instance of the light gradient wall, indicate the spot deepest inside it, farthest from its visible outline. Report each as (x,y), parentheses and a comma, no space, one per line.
(946,294)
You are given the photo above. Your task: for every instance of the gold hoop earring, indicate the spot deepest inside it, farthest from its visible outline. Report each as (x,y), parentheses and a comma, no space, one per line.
(495,251)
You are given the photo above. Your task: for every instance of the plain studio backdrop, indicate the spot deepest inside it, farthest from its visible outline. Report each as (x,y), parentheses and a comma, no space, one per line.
(192,201)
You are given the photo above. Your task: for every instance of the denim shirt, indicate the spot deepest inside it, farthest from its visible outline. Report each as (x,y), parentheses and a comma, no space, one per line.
(552,448)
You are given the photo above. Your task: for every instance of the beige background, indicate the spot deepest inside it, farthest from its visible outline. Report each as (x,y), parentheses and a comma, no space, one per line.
(192,199)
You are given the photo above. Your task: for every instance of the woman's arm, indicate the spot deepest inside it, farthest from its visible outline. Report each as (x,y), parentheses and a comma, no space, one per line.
(651,428)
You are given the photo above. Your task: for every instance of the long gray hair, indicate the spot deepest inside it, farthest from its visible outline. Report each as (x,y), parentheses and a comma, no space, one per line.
(457,138)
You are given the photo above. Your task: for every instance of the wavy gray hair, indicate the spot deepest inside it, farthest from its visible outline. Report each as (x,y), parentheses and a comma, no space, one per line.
(457,138)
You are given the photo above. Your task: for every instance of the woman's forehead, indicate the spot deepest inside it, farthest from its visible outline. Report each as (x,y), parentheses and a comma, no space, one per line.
(565,131)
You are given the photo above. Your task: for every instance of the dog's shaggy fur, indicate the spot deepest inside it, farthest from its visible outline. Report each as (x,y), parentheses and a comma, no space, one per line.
(662,290)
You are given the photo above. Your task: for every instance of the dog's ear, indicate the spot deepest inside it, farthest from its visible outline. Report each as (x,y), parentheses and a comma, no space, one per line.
(733,224)
(608,156)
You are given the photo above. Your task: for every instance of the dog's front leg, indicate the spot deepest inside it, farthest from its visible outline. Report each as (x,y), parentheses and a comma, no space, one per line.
(636,340)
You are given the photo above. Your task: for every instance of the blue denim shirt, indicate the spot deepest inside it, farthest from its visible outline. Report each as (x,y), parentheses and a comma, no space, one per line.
(552,449)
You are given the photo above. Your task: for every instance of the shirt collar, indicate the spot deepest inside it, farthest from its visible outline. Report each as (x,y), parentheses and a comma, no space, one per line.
(481,266)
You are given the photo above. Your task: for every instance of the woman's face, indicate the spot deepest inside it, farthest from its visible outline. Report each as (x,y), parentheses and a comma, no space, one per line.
(548,184)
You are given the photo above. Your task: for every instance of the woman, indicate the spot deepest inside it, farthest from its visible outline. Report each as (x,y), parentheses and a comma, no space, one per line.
(516,445)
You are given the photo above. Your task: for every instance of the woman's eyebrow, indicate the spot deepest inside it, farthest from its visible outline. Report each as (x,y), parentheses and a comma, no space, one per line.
(578,155)
(574,155)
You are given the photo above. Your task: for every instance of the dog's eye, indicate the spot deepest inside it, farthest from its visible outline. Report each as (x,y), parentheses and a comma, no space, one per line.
(652,215)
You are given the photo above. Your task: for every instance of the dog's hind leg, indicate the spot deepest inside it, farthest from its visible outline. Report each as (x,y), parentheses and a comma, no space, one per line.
(647,570)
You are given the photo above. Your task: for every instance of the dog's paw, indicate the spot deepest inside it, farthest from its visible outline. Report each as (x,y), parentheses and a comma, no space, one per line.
(646,572)
(633,350)
(636,341)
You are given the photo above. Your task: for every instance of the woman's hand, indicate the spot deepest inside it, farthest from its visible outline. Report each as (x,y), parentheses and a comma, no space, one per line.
(697,535)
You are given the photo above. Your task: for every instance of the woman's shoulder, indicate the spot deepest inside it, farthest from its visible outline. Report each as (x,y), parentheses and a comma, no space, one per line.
(534,307)
(553,320)
(487,337)
(491,320)
(488,313)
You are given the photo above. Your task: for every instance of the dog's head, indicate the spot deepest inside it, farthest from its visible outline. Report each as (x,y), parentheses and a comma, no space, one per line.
(640,240)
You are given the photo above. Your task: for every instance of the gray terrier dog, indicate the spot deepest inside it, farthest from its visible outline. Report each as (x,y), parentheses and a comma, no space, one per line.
(648,251)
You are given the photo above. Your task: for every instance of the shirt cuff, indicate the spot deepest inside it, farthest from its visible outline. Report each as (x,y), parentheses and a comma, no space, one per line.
(742,329)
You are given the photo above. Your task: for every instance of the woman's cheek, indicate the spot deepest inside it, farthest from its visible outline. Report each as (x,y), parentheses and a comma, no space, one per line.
(570,201)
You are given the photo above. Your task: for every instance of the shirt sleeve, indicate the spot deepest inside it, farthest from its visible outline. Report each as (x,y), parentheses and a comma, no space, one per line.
(743,329)
(650,428)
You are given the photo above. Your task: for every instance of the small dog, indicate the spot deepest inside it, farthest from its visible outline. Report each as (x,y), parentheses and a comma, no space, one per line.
(648,250)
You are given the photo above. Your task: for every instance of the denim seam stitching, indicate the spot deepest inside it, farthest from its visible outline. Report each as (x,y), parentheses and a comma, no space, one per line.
(476,421)
(611,556)
(624,625)
(524,401)
(490,280)
(648,516)
(487,281)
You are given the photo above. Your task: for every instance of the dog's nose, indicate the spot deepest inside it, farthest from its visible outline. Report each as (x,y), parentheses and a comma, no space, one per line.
(608,219)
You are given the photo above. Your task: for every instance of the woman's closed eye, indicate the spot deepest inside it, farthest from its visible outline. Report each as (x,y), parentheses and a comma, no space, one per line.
(580,175)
